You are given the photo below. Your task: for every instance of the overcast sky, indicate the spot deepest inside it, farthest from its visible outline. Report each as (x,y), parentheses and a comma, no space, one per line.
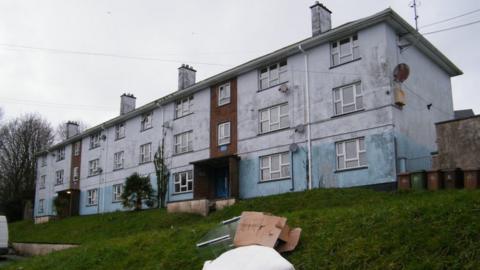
(62,83)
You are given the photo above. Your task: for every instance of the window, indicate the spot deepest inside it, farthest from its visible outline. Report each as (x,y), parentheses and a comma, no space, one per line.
(118,160)
(273,75)
(275,166)
(348,98)
(224,133)
(117,192)
(351,154)
(146,121)
(76,174)
(183,182)
(42,182)
(60,154)
(146,153)
(41,205)
(76,149)
(120,131)
(345,50)
(95,140)
(44,161)
(93,167)
(59,177)
(224,94)
(274,118)
(92,197)
(183,107)
(183,142)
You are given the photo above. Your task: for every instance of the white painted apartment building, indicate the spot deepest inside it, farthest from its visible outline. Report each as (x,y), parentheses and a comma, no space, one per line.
(323,112)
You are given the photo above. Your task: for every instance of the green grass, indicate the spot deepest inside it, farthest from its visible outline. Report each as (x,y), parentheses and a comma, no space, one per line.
(342,229)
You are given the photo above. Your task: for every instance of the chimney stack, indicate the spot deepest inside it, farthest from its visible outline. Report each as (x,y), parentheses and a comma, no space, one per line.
(186,76)
(127,103)
(72,129)
(321,19)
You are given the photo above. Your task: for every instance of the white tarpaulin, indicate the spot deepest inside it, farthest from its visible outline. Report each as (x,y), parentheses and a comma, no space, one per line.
(249,258)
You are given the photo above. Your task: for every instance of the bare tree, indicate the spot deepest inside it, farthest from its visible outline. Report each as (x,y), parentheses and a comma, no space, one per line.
(61,130)
(20,140)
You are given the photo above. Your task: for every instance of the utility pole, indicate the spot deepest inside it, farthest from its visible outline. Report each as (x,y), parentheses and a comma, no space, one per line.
(414,6)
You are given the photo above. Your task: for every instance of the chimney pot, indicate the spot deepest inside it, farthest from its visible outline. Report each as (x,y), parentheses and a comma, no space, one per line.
(321,19)
(72,129)
(127,103)
(186,76)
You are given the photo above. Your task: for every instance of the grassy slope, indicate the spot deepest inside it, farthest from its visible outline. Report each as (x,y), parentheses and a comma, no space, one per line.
(342,229)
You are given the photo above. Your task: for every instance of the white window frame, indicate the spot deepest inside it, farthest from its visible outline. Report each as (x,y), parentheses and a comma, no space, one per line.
(179,146)
(224,93)
(92,197)
(183,107)
(335,52)
(76,174)
(117,191)
(266,171)
(118,160)
(95,140)
(59,177)
(339,99)
(145,153)
(60,154)
(41,206)
(183,187)
(42,182)
(146,121)
(223,133)
(341,154)
(93,167)
(44,161)
(76,149)
(272,75)
(120,131)
(273,125)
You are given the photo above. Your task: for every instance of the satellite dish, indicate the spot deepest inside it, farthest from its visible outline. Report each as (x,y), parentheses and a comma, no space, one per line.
(293,147)
(283,88)
(300,128)
(401,72)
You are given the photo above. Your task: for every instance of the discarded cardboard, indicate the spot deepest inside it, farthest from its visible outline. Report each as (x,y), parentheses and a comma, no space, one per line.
(257,228)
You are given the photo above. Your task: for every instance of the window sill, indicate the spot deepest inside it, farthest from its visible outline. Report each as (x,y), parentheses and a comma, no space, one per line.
(91,205)
(118,169)
(352,169)
(181,193)
(119,201)
(91,148)
(41,188)
(351,61)
(92,175)
(273,131)
(224,104)
(145,129)
(179,117)
(58,160)
(183,153)
(56,185)
(118,139)
(349,113)
(273,180)
(145,162)
(270,87)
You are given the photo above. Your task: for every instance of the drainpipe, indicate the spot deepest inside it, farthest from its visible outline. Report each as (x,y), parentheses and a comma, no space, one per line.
(307,104)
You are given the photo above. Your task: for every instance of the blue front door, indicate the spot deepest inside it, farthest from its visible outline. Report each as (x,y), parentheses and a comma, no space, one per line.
(221,182)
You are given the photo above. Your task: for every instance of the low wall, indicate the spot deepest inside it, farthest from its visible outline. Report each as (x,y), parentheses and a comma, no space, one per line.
(43,219)
(194,206)
(33,249)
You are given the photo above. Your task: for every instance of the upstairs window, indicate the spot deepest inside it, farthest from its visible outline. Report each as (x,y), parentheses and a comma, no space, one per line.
(42,182)
(44,161)
(224,133)
(120,131)
(76,149)
(276,166)
(183,142)
(95,140)
(60,154)
(146,153)
(348,98)
(146,121)
(345,50)
(273,75)
(224,94)
(76,174)
(92,197)
(351,154)
(93,167)
(59,177)
(117,192)
(183,182)
(183,107)
(118,160)
(274,118)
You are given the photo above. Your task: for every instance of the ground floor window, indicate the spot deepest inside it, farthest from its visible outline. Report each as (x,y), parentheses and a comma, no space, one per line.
(117,192)
(276,166)
(183,182)
(351,154)
(92,196)
(41,205)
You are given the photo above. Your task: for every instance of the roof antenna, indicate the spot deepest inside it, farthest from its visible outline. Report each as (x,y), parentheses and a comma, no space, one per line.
(414,5)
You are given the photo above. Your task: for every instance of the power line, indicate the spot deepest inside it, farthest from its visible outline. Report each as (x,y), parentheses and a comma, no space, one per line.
(449,19)
(55,105)
(451,28)
(53,50)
